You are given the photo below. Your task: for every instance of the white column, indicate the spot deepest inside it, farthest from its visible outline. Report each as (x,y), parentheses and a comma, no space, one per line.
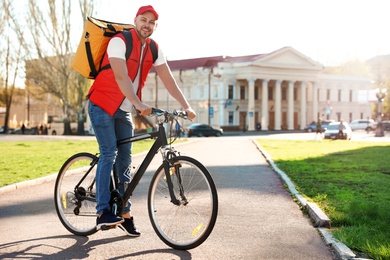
(221,96)
(315,101)
(303,105)
(278,105)
(264,105)
(290,105)
(251,105)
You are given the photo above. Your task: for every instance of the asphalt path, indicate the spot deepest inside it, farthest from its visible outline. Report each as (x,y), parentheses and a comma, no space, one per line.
(257,219)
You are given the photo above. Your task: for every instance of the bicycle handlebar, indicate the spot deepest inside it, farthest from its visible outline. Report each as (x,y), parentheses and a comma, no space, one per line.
(166,113)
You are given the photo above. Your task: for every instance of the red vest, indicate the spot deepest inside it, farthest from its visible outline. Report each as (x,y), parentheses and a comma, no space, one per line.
(105,92)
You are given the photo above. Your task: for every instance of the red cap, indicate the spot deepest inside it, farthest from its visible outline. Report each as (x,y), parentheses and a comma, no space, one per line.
(147,8)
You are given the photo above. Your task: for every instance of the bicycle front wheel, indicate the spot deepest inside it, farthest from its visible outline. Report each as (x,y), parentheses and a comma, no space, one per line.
(187,224)
(74,194)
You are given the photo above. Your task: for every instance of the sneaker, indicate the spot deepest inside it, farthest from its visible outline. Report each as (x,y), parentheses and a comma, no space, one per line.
(129,227)
(107,220)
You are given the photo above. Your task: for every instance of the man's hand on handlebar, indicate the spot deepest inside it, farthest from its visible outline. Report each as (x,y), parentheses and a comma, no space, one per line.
(144,110)
(190,113)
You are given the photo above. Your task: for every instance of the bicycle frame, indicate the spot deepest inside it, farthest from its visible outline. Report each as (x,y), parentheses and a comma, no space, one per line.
(160,142)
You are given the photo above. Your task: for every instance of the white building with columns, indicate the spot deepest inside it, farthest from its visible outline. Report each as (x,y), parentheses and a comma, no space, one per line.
(281,90)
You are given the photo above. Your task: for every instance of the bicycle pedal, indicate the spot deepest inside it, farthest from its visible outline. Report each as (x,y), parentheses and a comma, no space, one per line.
(107,227)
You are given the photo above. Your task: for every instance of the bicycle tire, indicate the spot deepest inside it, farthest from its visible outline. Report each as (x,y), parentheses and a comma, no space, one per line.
(185,226)
(77,213)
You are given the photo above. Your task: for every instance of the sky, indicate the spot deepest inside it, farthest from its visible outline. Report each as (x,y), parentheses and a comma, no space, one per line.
(330,32)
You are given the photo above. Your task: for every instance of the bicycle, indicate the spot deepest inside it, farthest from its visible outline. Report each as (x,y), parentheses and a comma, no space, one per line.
(182,197)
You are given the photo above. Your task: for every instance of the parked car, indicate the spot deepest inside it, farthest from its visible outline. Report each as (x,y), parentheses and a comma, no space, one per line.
(27,131)
(386,125)
(203,130)
(363,124)
(9,130)
(332,132)
(312,127)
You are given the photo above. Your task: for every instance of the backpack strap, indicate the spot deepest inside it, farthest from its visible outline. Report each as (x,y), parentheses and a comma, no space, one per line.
(153,48)
(129,47)
(93,70)
(129,43)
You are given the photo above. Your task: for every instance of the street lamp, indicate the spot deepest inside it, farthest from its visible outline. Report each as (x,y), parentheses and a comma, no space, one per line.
(380,95)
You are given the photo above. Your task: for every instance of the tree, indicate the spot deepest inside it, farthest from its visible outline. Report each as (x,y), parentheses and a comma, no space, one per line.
(11,55)
(2,27)
(51,52)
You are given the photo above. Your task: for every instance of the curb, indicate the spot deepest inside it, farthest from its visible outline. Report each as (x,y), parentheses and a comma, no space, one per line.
(28,183)
(320,219)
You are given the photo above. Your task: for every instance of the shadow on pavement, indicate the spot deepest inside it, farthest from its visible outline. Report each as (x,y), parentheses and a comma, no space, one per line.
(32,249)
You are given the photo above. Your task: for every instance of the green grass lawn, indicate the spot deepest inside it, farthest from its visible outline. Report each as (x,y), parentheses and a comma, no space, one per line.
(349,181)
(26,160)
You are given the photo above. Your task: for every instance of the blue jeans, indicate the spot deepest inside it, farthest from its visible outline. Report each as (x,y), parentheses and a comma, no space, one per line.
(108,130)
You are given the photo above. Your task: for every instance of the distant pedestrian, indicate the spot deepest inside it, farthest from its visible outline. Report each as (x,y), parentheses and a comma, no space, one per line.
(178,129)
(23,129)
(319,129)
(341,128)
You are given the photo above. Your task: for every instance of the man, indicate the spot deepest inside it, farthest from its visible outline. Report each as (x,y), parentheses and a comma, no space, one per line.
(178,129)
(318,129)
(341,128)
(112,97)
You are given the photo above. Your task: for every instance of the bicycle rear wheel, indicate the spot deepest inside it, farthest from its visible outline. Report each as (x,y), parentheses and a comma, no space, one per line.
(74,194)
(187,225)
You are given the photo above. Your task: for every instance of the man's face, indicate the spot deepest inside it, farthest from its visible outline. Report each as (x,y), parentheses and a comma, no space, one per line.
(145,24)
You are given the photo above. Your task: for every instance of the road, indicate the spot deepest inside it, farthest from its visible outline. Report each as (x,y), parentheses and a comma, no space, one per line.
(258,219)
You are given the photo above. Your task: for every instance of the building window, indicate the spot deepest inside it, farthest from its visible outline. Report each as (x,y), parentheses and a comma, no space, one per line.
(284,94)
(202,93)
(350,95)
(270,93)
(338,115)
(339,95)
(318,95)
(231,117)
(328,94)
(230,94)
(242,92)
(257,97)
(295,94)
(215,93)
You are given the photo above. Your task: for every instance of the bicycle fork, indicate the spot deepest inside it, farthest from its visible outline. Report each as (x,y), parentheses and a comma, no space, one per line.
(167,171)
